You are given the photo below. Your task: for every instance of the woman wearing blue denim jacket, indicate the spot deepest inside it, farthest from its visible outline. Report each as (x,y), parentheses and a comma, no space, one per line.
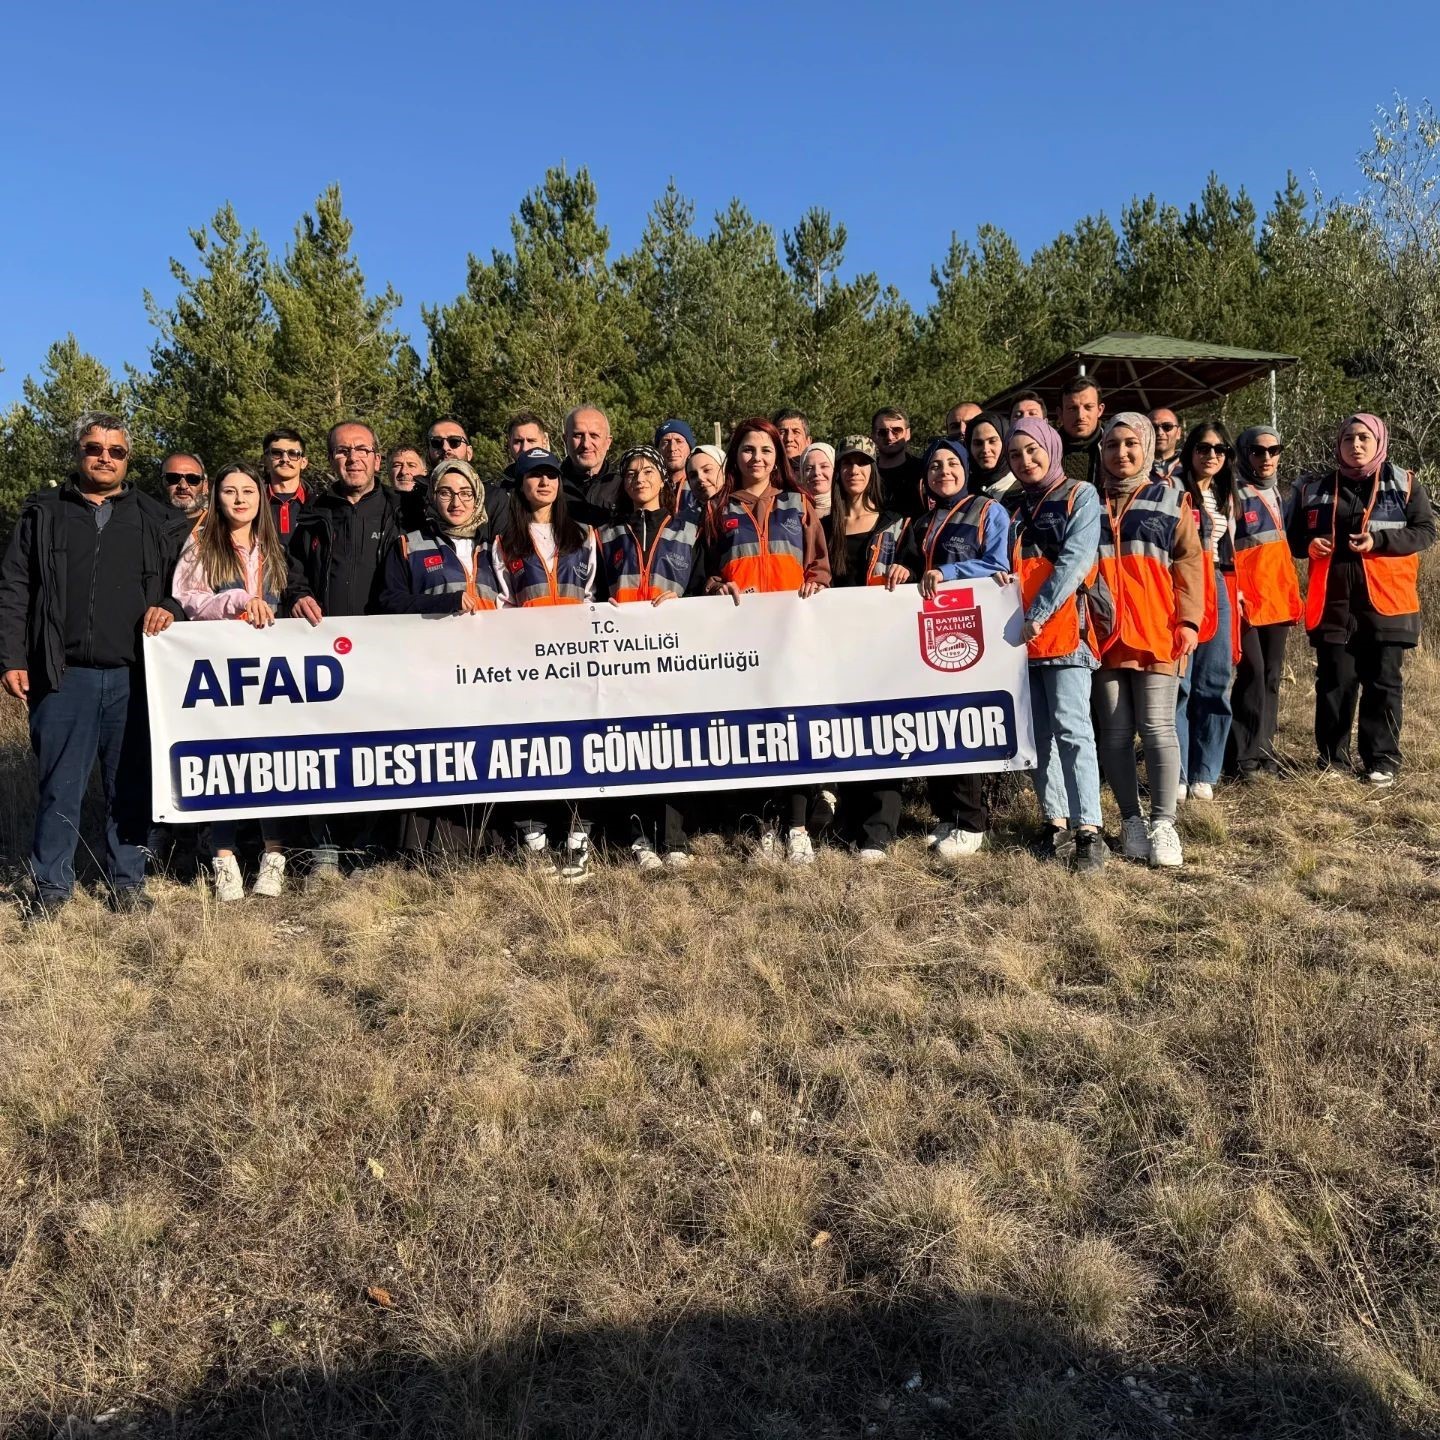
(1055,539)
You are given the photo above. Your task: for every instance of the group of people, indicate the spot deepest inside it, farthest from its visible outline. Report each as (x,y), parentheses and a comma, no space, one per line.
(1155,569)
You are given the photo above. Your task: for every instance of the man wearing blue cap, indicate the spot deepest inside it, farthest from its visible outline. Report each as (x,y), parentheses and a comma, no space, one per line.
(675,440)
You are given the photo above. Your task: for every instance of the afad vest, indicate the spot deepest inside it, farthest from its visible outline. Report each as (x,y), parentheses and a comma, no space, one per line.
(1263,567)
(436,569)
(1132,602)
(1224,561)
(664,569)
(533,583)
(884,546)
(764,558)
(950,536)
(1391,581)
(1039,533)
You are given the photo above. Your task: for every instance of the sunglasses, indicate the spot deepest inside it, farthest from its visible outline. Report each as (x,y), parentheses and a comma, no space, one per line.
(1206,448)
(276,453)
(183,477)
(1271,450)
(1167,425)
(446,442)
(93,449)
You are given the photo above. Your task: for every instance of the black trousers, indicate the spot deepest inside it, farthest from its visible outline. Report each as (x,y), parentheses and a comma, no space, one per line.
(660,821)
(871,812)
(1366,671)
(1255,699)
(958,799)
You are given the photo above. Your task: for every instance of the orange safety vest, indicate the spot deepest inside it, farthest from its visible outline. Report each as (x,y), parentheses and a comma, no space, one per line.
(1391,581)
(884,546)
(665,568)
(533,583)
(1039,533)
(1133,599)
(436,569)
(1263,567)
(763,551)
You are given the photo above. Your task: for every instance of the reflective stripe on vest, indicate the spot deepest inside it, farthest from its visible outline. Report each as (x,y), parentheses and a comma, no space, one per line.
(1263,566)
(950,536)
(1039,533)
(534,584)
(1391,581)
(1133,600)
(665,569)
(436,569)
(881,552)
(770,557)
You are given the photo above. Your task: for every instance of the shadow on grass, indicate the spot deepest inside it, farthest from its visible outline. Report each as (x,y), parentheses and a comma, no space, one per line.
(961,1366)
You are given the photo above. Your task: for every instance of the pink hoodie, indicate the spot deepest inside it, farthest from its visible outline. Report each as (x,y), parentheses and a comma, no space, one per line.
(199,601)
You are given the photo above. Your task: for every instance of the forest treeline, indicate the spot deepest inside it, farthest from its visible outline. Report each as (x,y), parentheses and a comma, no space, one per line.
(719,319)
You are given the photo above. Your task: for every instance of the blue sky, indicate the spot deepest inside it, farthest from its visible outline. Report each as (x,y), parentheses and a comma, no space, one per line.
(126,127)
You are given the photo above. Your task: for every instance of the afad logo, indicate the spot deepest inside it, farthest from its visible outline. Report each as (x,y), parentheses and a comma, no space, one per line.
(951,636)
(272,678)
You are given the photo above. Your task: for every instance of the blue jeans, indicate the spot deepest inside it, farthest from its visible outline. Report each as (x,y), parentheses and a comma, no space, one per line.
(1202,712)
(1067,773)
(91,714)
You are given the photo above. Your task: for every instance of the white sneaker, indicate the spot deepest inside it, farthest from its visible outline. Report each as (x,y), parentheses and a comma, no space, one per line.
(1182,791)
(1202,790)
(645,856)
(271,879)
(798,849)
(939,832)
(767,849)
(958,844)
(228,884)
(1165,844)
(575,863)
(872,856)
(677,860)
(1380,778)
(1136,842)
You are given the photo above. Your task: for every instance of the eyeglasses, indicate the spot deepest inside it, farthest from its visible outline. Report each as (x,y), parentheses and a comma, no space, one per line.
(362,452)
(93,450)
(276,453)
(183,477)
(1204,447)
(446,442)
(445,495)
(1270,450)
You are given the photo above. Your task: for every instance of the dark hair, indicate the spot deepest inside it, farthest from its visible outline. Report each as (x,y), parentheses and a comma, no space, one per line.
(451,419)
(840,511)
(283,434)
(1034,395)
(783,475)
(889,412)
(516,540)
(524,417)
(781,416)
(345,425)
(1079,384)
(1224,482)
(400,449)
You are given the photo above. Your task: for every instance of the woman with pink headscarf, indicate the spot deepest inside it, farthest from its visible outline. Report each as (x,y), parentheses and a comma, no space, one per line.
(1362,525)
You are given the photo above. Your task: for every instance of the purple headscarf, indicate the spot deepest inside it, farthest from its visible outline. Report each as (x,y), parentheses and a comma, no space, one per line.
(1047,437)
(1376,426)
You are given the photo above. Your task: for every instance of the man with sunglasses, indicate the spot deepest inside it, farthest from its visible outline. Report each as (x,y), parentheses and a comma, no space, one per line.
(282,453)
(86,574)
(187,487)
(1167,443)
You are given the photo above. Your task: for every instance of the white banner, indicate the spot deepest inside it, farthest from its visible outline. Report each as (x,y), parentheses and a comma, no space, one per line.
(405,711)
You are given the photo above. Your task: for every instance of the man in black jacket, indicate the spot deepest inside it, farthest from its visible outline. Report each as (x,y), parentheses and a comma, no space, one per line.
(337,567)
(591,491)
(87,571)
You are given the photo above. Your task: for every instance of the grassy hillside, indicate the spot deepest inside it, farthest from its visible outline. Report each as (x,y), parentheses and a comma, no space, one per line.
(839,1153)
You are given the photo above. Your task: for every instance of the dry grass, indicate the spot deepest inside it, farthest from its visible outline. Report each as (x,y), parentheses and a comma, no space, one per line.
(740,1154)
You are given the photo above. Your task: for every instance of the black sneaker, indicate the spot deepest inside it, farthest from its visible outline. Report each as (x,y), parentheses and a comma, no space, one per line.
(1091,851)
(132,900)
(1049,842)
(37,909)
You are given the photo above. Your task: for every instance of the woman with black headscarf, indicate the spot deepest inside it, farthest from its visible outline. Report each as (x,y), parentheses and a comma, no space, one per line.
(989,463)
(1269,602)
(1362,524)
